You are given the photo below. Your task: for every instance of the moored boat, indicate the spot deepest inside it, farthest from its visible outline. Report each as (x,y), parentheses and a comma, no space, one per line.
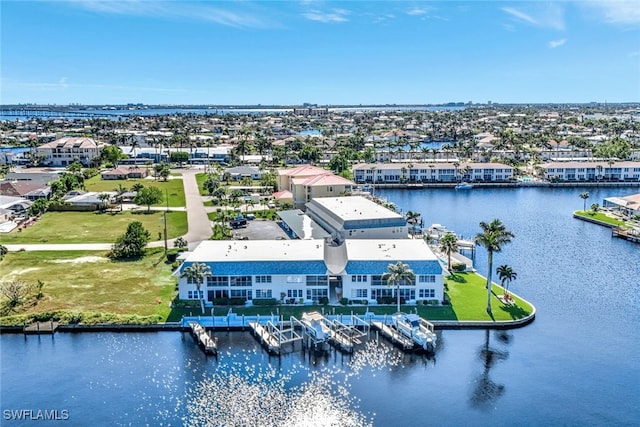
(464,186)
(417,329)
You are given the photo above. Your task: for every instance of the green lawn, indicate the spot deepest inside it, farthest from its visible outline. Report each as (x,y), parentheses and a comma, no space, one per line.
(90,227)
(87,282)
(173,187)
(599,216)
(468,297)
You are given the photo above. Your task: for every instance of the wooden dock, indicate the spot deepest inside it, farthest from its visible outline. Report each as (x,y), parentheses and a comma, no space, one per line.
(393,335)
(274,335)
(205,341)
(630,235)
(38,328)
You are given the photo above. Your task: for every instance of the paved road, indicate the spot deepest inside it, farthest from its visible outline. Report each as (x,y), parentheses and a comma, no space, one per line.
(198,222)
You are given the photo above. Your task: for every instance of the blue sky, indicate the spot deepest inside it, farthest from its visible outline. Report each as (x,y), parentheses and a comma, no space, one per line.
(325,52)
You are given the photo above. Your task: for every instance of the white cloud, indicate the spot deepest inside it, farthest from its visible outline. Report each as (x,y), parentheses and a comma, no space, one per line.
(519,15)
(417,11)
(544,16)
(173,9)
(557,43)
(618,12)
(332,17)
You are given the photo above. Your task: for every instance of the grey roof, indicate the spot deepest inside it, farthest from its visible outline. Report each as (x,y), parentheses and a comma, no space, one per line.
(302,225)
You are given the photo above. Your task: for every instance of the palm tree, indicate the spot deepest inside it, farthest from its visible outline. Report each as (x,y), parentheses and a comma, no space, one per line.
(104,198)
(493,237)
(196,273)
(449,244)
(584,196)
(412,218)
(506,275)
(398,273)
(120,190)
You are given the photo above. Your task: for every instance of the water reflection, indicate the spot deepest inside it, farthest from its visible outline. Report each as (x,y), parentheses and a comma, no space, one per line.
(486,391)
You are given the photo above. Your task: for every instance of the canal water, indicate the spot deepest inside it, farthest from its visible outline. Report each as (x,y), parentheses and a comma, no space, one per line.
(578,363)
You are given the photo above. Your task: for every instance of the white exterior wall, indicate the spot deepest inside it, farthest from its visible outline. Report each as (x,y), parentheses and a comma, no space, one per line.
(281,284)
(349,286)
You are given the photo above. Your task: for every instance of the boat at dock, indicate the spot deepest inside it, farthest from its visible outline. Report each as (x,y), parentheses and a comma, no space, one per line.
(418,330)
(464,186)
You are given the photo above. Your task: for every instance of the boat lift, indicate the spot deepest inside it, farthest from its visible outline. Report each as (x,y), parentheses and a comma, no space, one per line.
(273,335)
(205,341)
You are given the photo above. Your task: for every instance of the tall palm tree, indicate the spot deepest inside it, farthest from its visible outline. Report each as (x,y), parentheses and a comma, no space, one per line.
(449,244)
(120,190)
(397,274)
(493,237)
(506,275)
(584,196)
(412,218)
(196,273)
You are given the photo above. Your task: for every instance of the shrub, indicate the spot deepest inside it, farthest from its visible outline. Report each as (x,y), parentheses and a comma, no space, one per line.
(344,301)
(459,267)
(324,300)
(390,300)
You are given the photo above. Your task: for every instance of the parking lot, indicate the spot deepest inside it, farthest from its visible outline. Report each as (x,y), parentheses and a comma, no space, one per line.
(259,230)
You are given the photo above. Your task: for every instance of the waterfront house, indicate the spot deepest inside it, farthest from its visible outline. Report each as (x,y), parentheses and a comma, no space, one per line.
(311,270)
(591,171)
(434,172)
(628,206)
(64,151)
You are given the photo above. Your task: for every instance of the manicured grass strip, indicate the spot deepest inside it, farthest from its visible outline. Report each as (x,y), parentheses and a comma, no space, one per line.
(90,227)
(468,296)
(91,287)
(173,187)
(598,216)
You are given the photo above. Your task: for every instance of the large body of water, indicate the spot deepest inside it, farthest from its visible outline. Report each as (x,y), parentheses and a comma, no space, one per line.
(577,364)
(124,113)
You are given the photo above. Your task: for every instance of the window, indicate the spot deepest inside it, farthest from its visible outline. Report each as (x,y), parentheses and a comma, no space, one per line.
(427,278)
(241,293)
(294,293)
(263,279)
(217,281)
(427,293)
(379,293)
(317,280)
(359,278)
(359,293)
(294,279)
(194,294)
(316,294)
(378,281)
(240,280)
(264,293)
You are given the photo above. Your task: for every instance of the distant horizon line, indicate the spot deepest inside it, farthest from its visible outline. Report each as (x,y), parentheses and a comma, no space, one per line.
(313,105)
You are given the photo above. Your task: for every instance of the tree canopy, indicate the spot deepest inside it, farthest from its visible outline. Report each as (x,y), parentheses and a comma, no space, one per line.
(148,196)
(132,243)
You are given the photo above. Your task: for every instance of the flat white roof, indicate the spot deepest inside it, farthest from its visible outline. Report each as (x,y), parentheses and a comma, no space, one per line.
(388,250)
(351,208)
(258,250)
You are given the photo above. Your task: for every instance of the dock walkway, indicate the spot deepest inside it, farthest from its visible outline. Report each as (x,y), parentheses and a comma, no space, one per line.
(393,335)
(205,341)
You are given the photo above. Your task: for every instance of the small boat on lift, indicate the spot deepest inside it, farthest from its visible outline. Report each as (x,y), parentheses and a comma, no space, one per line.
(417,329)
(464,186)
